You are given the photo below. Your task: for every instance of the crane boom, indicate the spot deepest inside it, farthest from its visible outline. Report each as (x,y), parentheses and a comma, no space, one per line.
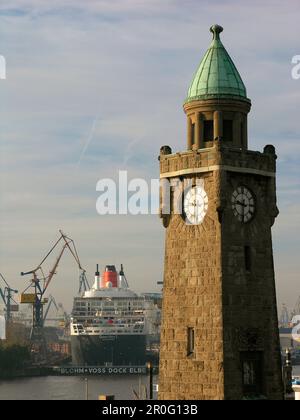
(51,301)
(69,243)
(53,271)
(73,251)
(3,296)
(4,280)
(40,282)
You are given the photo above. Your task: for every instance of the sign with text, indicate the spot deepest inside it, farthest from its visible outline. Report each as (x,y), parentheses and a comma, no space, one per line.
(102,370)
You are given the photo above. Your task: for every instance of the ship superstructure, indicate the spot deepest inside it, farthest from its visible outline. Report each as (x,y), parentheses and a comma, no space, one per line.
(110,323)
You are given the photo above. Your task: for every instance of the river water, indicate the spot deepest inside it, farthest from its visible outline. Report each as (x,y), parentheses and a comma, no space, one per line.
(75,388)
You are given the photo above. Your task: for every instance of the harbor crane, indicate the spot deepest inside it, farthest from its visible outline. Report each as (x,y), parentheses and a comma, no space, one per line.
(83,283)
(51,301)
(7,296)
(284,318)
(40,282)
(296,310)
(63,317)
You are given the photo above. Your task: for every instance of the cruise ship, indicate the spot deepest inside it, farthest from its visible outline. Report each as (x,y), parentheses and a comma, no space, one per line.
(110,324)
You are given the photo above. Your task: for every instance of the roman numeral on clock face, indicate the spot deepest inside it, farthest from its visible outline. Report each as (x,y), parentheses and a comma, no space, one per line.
(195,205)
(243,204)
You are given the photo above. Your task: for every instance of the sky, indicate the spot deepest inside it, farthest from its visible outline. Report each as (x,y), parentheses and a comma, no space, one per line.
(97,86)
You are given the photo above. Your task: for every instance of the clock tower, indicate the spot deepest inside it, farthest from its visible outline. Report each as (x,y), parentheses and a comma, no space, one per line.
(219,336)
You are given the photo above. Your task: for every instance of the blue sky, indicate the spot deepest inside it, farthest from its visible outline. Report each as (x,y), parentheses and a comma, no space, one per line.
(117,72)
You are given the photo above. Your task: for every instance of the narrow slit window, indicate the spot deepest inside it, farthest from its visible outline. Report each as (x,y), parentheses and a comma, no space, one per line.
(227,130)
(193,133)
(248,262)
(208,130)
(252,373)
(190,341)
(242,133)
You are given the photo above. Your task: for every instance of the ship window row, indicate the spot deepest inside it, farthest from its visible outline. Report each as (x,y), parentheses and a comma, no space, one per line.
(108,309)
(105,300)
(102,332)
(113,330)
(111,308)
(137,329)
(108,313)
(108,316)
(96,304)
(113,321)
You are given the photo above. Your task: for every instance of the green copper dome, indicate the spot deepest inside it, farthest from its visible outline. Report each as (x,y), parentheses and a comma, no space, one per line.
(217,76)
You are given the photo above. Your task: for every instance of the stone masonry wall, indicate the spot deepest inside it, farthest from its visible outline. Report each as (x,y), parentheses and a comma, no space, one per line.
(249,297)
(192,298)
(207,287)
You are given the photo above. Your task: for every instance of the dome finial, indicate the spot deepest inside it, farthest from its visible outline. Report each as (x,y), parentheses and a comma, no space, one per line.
(216,76)
(216,30)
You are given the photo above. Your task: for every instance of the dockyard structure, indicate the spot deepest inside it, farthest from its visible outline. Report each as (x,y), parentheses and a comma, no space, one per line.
(219,334)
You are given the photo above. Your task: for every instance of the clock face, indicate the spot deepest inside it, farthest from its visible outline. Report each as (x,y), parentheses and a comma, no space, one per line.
(195,205)
(243,204)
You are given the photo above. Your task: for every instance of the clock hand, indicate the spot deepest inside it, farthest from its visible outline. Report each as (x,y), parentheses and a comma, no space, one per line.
(241,203)
(244,205)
